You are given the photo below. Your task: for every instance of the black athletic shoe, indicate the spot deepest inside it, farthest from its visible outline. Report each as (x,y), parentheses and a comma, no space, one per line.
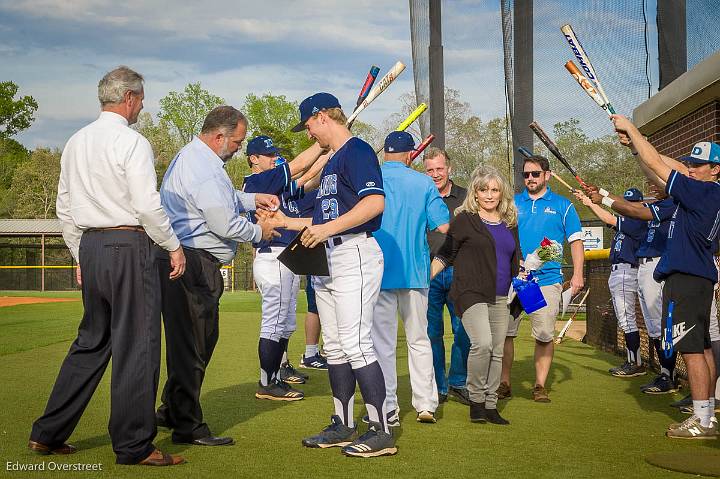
(336,434)
(442,398)
(392,418)
(278,391)
(684,402)
(313,362)
(494,417)
(290,375)
(661,385)
(630,370)
(478,413)
(459,394)
(618,368)
(375,442)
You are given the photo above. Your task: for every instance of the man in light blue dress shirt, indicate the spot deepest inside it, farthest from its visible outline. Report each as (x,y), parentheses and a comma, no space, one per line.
(206,213)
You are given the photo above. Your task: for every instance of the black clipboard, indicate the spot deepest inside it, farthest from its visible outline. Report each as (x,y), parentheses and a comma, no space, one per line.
(303,260)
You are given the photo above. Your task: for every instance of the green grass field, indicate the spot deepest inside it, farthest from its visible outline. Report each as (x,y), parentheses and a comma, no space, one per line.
(595,426)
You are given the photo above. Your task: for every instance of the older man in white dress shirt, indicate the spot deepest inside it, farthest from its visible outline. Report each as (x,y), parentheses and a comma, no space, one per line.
(114,225)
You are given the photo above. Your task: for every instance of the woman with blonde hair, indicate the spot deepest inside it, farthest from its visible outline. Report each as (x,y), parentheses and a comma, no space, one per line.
(484,248)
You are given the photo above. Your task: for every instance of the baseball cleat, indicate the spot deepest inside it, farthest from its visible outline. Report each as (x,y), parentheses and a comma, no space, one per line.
(393,418)
(662,384)
(278,391)
(290,375)
(686,401)
(630,370)
(618,368)
(459,394)
(691,428)
(336,434)
(427,417)
(313,362)
(375,442)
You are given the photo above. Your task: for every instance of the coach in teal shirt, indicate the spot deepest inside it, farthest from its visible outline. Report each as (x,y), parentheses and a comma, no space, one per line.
(543,213)
(412,206)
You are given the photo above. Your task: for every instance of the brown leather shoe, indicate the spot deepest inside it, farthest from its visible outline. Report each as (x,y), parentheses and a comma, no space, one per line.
(159,458)
(45,450)
(504,391)
(540,394)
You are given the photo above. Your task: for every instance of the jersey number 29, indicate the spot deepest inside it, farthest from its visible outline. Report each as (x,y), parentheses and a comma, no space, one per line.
(329,209)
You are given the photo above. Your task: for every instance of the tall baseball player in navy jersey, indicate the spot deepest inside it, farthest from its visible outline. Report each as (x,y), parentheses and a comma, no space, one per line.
(277,284)
(623,280)
(348,208)
(649,291)
(687,266)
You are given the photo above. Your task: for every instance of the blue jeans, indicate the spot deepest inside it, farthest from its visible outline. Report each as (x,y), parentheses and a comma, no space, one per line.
(437,300)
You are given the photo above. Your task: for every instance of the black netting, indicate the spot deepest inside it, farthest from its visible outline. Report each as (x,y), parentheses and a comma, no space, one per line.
(703,36)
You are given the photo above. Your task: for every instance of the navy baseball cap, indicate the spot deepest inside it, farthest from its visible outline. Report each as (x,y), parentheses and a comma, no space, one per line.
(399,142)
(261,145)
(704,152)
(313,104)
(633,194)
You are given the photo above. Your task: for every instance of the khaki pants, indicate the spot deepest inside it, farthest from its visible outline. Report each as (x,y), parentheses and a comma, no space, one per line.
(486,326)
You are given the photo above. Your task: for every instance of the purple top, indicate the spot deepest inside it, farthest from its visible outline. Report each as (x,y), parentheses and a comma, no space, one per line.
(504,249)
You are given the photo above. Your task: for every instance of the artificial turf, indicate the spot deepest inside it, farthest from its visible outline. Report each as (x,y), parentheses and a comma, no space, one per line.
(595,426)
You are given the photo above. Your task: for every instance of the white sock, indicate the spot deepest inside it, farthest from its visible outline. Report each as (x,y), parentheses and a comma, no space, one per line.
(701,409)
(311,350)
(284,358)
(711,407)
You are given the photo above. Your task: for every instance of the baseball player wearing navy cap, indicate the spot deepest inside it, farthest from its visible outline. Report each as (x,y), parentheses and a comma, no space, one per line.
(412,207)
(276,283)
(649,291)
(623,280)
(348,209)
(687,266)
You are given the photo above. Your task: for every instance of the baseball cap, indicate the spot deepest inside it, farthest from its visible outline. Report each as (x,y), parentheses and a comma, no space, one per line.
(633,194)
(399,142)
(703,152)
(313,104)
(261,145)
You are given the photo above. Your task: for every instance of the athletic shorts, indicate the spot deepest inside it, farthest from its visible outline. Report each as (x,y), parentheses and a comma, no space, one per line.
(542,320)
(310,295)
(692,297)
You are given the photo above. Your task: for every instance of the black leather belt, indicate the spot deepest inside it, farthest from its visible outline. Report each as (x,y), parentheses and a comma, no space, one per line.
(616,266)
(337,241)
(265,249)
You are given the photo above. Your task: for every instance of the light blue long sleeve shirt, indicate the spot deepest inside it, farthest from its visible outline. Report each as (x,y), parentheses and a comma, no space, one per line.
(205,210)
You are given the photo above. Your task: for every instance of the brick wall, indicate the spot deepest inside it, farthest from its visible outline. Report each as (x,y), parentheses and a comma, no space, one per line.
(678,138)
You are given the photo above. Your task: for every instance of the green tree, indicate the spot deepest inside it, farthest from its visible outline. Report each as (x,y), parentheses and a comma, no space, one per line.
(12,154)
(274,116)
(164,139)
(15,115)
(185,112)
(35,183)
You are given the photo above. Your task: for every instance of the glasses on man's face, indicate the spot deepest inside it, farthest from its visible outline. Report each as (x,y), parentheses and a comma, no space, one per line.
(534,174)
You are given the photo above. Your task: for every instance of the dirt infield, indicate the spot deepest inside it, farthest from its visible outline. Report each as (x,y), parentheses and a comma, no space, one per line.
(15,300)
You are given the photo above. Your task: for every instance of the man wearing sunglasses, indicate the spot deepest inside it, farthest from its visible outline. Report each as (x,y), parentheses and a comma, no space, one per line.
(543,213)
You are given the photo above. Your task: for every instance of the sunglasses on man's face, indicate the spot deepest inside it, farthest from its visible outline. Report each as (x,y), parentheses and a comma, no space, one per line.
(534,174)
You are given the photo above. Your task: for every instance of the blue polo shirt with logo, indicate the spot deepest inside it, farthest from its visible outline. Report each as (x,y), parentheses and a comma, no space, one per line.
(552,216)
(412,207)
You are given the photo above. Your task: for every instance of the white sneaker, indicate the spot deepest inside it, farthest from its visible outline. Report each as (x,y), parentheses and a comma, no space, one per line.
(427,417)
(691,428)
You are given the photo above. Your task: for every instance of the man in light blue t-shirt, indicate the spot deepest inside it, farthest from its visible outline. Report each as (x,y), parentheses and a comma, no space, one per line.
(543,213)
(412,207)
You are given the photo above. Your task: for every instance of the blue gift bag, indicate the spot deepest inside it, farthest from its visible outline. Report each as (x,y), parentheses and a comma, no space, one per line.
(529,294)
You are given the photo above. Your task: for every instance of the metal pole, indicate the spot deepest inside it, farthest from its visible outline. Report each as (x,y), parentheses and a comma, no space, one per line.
(232,276)
(523,83)
(42,262)
(437,83)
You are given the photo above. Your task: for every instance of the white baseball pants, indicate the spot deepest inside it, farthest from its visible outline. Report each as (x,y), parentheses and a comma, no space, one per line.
(623,284)
(279,289)
(650,294)
(412,305)
(346,299)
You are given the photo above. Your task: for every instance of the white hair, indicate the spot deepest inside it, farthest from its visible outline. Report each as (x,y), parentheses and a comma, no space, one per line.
(114,85)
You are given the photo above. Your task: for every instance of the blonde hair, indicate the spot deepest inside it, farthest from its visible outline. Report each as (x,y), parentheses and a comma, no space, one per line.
(481,176)
(337,115)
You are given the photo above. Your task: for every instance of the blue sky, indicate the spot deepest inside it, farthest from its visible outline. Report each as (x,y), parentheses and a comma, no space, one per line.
(57,51)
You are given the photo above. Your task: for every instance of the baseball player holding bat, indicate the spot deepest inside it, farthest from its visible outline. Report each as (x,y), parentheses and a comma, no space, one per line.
(623,280)
(348,209)
(277,284)
(687,266)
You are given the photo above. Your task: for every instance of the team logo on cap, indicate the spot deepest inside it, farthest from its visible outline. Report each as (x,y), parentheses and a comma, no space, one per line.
(628,194)
(697,151)
(315,110)
(268,143)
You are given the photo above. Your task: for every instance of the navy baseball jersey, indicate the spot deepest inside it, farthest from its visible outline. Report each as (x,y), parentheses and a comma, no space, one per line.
(653,245)
(351,174)
(694,223)
(306,202)
(276,181)
(629,233)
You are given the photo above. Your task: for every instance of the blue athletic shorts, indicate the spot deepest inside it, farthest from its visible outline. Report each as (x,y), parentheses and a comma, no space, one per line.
(310,294)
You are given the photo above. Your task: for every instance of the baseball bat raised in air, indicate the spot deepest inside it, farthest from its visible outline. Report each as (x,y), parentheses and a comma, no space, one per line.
(524,151)
(585,63)
(425,143)
(542,136)
(565,328)
(369,81)
(409,120)
(587,86)
(383,85)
